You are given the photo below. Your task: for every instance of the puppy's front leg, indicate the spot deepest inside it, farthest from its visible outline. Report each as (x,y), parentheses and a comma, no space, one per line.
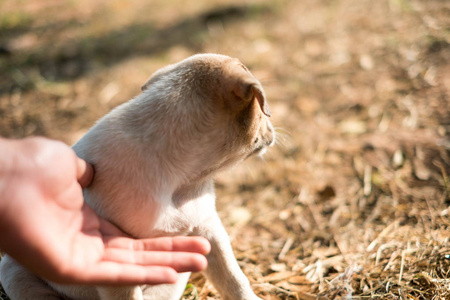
(223,270)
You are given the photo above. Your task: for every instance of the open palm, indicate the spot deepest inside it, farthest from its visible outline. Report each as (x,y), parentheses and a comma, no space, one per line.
(48,228)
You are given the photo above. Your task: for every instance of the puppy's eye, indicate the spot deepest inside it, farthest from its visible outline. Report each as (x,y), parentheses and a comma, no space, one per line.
(256,140)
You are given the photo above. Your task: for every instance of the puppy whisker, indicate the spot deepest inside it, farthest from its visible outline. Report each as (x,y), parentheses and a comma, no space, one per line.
(283,137)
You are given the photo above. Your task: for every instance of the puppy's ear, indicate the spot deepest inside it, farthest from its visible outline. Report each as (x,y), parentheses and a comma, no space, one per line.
(259,94)
(146,84)
(150,80)
(154,77)
(157,75)
(248,90)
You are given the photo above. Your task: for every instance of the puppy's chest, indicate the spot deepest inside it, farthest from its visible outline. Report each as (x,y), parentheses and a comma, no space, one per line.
(185,218)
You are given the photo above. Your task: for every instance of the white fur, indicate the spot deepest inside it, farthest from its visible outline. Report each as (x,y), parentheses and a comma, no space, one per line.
(155,158)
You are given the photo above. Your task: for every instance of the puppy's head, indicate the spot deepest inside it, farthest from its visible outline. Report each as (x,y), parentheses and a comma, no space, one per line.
(227,107)
(244,101)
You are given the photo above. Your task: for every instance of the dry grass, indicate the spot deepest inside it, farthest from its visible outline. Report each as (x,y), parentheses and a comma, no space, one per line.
(354,201)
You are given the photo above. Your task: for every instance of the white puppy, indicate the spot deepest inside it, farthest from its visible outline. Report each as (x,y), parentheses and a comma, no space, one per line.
(155,157)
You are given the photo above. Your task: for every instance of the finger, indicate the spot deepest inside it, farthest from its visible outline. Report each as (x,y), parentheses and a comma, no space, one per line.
(179,261)
(112,273)
(194,244)
(85,172)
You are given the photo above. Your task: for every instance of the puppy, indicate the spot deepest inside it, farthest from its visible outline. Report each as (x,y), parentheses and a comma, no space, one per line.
(155,158)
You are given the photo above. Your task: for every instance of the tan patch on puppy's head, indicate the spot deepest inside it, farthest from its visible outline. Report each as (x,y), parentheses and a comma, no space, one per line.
(244,86)
(237,94)
(218,111)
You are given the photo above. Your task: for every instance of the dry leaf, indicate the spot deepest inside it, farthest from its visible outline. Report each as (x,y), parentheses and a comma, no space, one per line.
(239,216)
(299,280)
(353,127)
(308,296)
(278,276)
(280,267)
(292,287)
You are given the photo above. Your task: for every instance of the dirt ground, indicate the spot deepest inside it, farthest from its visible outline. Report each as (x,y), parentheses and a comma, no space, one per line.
(353,201)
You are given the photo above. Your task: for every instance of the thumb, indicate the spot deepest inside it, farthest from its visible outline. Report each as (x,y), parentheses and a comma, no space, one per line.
(85,172)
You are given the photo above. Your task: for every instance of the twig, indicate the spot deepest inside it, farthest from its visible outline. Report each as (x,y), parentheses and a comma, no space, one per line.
(367,180)
(404,252)
(286,247)
(387,230)
(381,249)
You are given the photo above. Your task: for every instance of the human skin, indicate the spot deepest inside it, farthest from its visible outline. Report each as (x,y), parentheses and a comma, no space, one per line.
(46,226)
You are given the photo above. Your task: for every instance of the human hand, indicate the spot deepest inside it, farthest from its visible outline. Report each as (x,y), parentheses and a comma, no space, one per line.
(46,226)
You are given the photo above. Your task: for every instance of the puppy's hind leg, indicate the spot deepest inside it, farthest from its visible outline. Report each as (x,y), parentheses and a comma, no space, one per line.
(21,284)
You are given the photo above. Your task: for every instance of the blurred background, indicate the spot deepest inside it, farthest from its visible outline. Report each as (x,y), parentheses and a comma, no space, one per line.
(352,203)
